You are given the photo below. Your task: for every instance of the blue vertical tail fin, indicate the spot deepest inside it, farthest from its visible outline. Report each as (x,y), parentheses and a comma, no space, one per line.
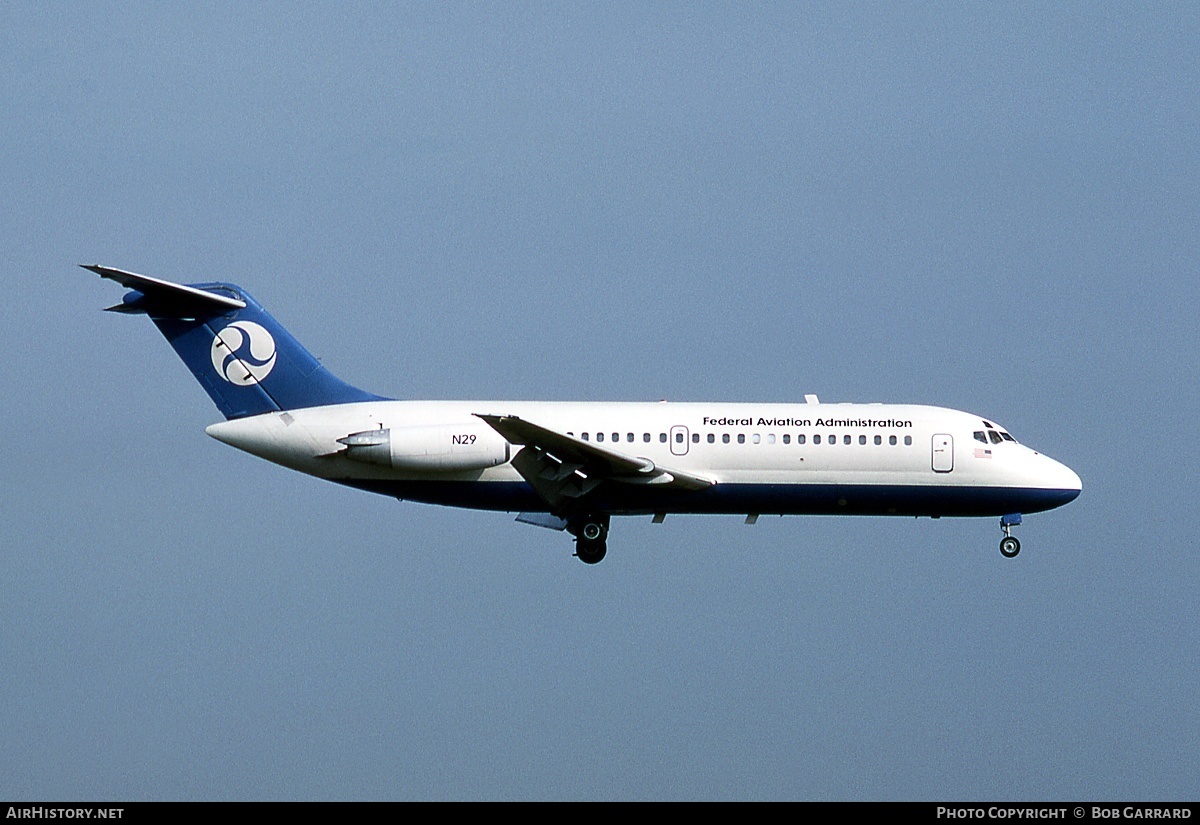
(246,361)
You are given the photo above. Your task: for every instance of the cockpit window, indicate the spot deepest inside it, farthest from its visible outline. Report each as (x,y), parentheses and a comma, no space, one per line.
(979,436)
(1008,437)
(995,436)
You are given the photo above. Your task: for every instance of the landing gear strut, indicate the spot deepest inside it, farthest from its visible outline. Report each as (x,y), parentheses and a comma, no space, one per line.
(591,534)
(1009,545)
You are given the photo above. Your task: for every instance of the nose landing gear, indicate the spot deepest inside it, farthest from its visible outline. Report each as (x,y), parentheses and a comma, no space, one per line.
(1009,545)
(591,537)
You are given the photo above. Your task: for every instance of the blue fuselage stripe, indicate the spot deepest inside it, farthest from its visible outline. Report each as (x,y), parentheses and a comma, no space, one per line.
(786,499)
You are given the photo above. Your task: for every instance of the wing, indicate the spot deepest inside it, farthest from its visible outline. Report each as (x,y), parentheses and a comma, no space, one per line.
(562,468)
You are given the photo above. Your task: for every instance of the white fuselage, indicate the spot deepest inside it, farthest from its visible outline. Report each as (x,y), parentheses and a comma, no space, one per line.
(763,458)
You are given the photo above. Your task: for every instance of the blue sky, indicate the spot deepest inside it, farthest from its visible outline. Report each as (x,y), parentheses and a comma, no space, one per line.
(990,208)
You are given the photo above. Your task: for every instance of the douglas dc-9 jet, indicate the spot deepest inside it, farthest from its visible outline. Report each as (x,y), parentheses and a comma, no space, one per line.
(571,465)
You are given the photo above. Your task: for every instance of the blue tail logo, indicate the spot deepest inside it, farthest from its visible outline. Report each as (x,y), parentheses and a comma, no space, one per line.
(243,353)
(243,358)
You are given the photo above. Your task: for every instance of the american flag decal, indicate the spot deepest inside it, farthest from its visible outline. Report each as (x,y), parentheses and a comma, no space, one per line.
(982,453)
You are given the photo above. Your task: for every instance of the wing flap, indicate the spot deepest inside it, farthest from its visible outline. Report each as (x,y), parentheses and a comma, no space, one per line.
(566,448)
(562,468)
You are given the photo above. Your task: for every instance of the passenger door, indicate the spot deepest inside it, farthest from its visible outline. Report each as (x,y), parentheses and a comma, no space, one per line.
(943,453)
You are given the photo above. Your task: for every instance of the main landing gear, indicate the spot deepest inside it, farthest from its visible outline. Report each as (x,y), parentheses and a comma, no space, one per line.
(1009,545)
(591,536)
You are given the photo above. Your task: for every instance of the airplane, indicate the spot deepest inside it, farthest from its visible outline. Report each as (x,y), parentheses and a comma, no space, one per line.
(574,465)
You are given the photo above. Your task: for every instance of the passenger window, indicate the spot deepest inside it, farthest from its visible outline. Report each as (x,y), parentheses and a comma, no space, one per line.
(711,438)
(724,438)
(787,439)
(695,438)
(907,440)
(891,439)
(816,439)
(845,439)
(878,440)
(741,438)
(662,438)
(584,436)
(862,439)
(646,437)
(995,436)
(599,436)
(832,439)
(800,438)
(771,438)
(678,438)
(756,438)
(616,438)
(629,437)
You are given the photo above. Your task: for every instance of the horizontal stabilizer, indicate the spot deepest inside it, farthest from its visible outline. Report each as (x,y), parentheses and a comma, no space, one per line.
(163,298)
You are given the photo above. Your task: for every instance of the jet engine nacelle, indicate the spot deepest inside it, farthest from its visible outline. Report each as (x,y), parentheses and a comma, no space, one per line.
(472,446)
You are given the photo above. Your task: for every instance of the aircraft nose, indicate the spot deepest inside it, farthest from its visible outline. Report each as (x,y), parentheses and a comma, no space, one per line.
(1062,478)
(1076,483)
